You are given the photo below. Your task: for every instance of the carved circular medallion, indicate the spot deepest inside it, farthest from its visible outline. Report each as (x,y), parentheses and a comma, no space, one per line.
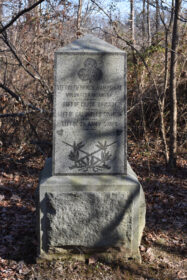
(90,72)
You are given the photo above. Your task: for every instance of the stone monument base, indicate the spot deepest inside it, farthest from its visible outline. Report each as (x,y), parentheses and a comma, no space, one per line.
(82,216)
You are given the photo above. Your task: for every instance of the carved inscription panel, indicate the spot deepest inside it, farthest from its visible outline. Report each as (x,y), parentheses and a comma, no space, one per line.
(89,118)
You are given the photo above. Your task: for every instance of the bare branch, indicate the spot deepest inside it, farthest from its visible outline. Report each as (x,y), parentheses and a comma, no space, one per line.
(18,98)
(20,14)
(129,43)
(13,94)
(14,115)
(35,77)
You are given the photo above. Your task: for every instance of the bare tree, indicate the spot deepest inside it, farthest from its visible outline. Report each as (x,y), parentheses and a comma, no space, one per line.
(157,18)
(173,87)
(1,10)
(18,15)
(79,13)
(148,24)
(132,21)
(143,23)
(167,27)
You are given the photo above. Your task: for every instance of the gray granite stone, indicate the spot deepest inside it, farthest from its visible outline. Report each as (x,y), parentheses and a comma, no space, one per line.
(89,200)
(89,219)
(90,212)
(89,109)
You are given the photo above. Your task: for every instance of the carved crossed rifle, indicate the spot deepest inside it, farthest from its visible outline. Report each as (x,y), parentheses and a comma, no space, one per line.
(90,161)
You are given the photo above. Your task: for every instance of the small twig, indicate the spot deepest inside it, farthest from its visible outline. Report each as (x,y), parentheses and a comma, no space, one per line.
(14,115)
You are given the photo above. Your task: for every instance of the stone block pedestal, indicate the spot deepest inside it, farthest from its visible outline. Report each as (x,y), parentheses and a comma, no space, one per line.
(79,216)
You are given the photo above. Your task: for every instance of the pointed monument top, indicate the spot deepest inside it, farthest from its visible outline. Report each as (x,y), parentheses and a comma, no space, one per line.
(89,44)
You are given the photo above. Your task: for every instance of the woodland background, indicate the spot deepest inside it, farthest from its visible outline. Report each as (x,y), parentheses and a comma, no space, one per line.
(153,33)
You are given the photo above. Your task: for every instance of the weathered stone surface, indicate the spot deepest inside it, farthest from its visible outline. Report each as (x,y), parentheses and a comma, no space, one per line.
(89,219)
(89,199)
(91,212)
(90,109)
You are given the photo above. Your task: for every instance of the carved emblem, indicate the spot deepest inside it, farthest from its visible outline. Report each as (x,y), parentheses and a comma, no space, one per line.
(95,161)
(90,72)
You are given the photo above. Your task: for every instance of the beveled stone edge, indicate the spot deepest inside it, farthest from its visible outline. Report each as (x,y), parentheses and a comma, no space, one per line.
(92,39)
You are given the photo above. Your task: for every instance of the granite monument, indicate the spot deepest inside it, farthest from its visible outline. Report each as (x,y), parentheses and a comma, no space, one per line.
(89,199)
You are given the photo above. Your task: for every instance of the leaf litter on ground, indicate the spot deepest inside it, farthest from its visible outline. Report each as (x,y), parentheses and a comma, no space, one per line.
(163,246)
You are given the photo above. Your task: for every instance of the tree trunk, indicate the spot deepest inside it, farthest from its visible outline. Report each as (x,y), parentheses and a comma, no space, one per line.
(173,95)
(161,101)
(132,21)
(163,130)
(79,19)
(1,11)
(143,23)
(148,25)
(157,19)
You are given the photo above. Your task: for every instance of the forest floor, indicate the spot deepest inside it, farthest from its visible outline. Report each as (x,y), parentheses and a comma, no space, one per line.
(163,243)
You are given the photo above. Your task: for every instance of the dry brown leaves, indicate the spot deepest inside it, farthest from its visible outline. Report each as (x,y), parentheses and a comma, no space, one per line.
(163,244)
